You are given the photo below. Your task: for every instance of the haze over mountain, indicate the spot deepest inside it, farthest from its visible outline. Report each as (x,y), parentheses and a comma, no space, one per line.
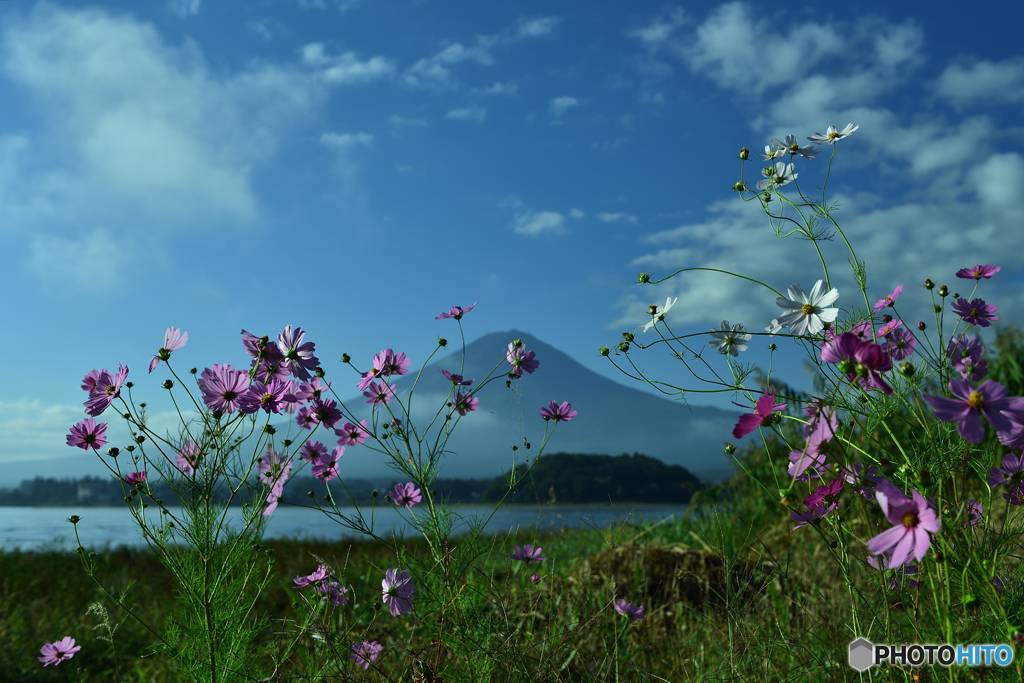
(611,418)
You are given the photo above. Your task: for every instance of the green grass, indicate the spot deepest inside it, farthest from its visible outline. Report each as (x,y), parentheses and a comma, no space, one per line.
(500,627)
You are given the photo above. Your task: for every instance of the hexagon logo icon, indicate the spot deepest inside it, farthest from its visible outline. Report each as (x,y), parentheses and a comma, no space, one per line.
(862,654)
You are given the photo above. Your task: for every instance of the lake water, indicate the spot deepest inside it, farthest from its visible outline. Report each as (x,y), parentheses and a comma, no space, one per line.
(33,528)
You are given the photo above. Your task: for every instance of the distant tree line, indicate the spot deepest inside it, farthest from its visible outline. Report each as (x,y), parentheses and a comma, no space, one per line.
(558,478)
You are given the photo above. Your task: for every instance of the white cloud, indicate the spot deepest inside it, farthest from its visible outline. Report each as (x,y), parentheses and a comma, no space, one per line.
(261,29)
(499,88)
(660,29)
(536,28)
(436,69)
(346,69)
(32,430)
(476,114)
(77,259)
(536,223)
(560,105)
(134,134)
(345,141)
(613,217)
(577,214)
(184,8)
(406,122)
(983,83)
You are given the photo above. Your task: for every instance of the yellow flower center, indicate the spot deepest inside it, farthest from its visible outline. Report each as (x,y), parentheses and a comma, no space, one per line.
(833,135)
(794,148)
(807,309)
(974,311)
(910,520)
(976,400)
(977,273)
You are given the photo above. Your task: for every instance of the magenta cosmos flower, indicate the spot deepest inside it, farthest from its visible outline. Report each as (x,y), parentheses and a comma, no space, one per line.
(223,388)
(385,364)
(977,272)
(520,359)
(862,361)
(456,312)
(889,300)
(298,357)
(325,466)
(321,574)
(465,404)
(326,412)
(379,393)
(405,495)
(398,591)
(528,554)
(187,459)
(55,653)
(87,434)
(311,450)
(335,593)
(969,404)
(174,339)
(966,357)
(628,609)
(810,462)
(913,520)
(975,312)
(352,435)
(558,413)
(255,347)
(107,389)
(763,415)
(270,397)
(274,470)
(135,478)
(899,344)
(365,652)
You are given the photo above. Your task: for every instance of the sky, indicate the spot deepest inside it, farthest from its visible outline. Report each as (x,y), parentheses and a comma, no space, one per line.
(355,168)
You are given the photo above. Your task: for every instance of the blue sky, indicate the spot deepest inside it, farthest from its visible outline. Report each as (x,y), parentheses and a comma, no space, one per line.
(355,168)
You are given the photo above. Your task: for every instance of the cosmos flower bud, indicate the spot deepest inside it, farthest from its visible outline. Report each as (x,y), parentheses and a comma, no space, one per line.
(168,384)
(928,284)
(441,341)
(643,278)
(767,196)
(886,319)
(907,368)
(628,336)
(113,451)
(74,519)
(921,326)
(603,350)
(730,448)
(943,290)
(624,347)
(744,153)
(345,358)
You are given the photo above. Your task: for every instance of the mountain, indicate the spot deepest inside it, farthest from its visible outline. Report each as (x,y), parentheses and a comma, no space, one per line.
(611,418)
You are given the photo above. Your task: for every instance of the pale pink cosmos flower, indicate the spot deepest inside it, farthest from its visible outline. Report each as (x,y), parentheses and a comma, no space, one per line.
(223,388)
(912,519)
(888,328)
(379,393)
(558,413)
(763,415)
(457,380)
(321,574)
(465,404)
(333,591)
(889,300)
(325,466)
(969,404)
(456,312)
(352,435)
(520,359)
(274,470)
(398,590)
(107,389)
(255,348)
(657,313)
(311,450)
(59,651)
(174,339)
(326,412)
(187,459)
(298,357)
(900,344)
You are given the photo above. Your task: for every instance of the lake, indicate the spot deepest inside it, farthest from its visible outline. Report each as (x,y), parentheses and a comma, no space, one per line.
(36,528)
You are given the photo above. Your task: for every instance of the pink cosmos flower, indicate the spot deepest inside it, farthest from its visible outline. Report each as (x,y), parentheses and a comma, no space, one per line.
(87,434)
(352,435)
(628,609)
(333,591)
(557,412)
(391,363)
(379,393)
(963,352)
(810,462)
(969,404)
(398,591)
(1012,472)
(274,470)
(863,479)
(899,344)
(298,357)
(255,348)
(321,574)
(862,361)
(405,495)
(325,466)
(763,415)
(912,519)
(107,389)
(314,389)
(889,300)
(311,450)
(57,652)
(520,359)
(326,412)
(305,417)
(1014,437)
(888,329)
(528,554)
(174,339)
(826,494)
(268,397)
(457,380)
(975,311)
(465,404)
(187,459)
(89,381)
(535,578)
(223,388)
(811,515)
(972,511)
(135,478)
(456,312)
(366,652)
(978,272)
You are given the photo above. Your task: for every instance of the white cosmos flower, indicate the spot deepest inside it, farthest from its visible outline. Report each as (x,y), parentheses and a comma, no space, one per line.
(793,148)
(806,314)
(781,175)
(832,134)
(773,151)
(730,340)
(660,311)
